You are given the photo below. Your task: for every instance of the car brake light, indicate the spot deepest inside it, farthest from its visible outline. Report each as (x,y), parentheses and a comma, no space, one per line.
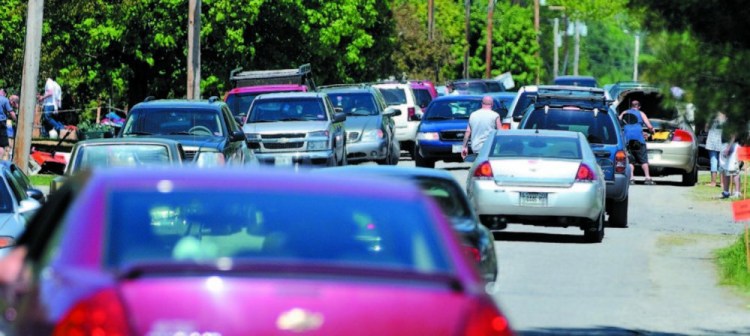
(621,161)
(505,126)
(483,171)
(680,135)
(473,253)
(101,314)
(486,319)
(410,112)
(585,174)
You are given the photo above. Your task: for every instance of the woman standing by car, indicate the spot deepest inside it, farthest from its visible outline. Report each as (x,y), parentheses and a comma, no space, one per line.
(714,145)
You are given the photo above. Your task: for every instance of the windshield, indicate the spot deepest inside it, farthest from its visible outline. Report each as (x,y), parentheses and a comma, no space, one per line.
(173,121)
(494,86)
(471,87)
(442,110)
(599,128)
(355,104)
(535,146)
(116,155)
(239,103)
(287,109)
(446,195)
(188,226)
(394,96)
(423,97)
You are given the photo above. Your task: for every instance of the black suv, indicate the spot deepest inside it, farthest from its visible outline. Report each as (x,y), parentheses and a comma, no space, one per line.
(591,115)
(205,128)
(370,129)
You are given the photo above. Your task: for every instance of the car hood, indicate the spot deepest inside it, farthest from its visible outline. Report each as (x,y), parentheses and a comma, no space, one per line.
(443,125)
(256,306)
(11,225)
(361,123)
(285,127)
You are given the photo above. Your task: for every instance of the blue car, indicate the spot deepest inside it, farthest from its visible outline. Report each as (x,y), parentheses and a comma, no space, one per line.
(441,132)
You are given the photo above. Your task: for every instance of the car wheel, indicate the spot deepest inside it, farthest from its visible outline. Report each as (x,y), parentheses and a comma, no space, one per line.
(421,161)
(691,178)
(344,160)
(618,214)
(595,233)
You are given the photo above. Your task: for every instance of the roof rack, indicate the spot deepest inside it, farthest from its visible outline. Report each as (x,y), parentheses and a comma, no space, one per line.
(353,85)
(298,76)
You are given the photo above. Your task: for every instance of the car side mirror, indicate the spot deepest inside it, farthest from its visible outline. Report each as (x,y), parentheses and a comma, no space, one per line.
(239,119)
(392,112)
(339,117)
(415,117)
(36,194)
(470,158)
(517,118)
(338,109)
(237,136)
(28,206)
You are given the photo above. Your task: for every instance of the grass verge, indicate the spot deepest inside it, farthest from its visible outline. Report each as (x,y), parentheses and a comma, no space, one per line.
(733,268)
(731,260)
(41,179)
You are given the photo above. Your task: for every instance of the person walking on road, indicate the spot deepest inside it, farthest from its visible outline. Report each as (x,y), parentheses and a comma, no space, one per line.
(635,120)
(482,123)
(6,112)
(50,101)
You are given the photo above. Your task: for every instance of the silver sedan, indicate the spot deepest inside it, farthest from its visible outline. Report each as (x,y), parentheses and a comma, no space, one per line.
(538,177)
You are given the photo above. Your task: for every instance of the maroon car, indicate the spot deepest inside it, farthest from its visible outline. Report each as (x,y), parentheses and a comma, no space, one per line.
(238,252)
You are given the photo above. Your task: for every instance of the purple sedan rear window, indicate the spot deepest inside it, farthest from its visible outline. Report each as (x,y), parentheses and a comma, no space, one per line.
(249,226)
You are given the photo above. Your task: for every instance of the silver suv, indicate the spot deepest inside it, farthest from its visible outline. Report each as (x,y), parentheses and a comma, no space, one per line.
(401,97)
(292,129)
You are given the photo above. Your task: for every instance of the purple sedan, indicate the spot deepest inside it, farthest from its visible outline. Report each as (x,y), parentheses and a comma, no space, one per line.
(241,252)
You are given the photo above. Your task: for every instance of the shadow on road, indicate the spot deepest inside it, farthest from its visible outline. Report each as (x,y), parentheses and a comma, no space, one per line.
(605,330)
(539,237)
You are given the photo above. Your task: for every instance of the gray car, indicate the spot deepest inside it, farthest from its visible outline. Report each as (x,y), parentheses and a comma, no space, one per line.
(16,208)
(293,129)
(370,129)
(539,177)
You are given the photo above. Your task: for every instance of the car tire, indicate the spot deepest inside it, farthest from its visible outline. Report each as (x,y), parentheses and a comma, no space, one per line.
(421,161)
(691,178)
(344,160)
(618,213)
(595,233)
(395,153)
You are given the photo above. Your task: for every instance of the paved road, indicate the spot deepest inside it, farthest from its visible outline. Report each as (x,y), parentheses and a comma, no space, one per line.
(655,277)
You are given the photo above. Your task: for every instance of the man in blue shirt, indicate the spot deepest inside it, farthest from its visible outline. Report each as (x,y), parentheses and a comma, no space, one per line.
(6,111)
(635,120)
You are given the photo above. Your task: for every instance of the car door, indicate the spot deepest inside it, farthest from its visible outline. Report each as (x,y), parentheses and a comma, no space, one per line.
(337,129)
(235,150)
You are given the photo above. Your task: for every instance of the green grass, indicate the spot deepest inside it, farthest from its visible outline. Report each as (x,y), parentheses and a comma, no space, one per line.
(703,192)
(41,179)
(731,260)
(733,267)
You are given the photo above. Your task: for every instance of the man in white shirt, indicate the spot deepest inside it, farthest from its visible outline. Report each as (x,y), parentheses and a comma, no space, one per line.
(482,123)
(50,104)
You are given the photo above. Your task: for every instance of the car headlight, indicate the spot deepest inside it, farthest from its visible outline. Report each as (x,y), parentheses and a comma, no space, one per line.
(7,241)
(372,135)
(317,140)
(428,136)
(210,159)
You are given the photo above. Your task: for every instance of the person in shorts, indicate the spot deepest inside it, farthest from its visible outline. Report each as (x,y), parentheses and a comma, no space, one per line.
(6,112)
(635,120)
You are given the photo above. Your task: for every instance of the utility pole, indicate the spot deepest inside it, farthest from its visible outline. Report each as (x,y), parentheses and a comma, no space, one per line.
(430,19)
(635,56)
(194,50)
(32,55)
(488,52)
(467,4)
(577,46)
(555,47)
(536,31)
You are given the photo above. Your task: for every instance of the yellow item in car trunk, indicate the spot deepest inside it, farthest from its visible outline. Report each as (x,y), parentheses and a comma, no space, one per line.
(661,135)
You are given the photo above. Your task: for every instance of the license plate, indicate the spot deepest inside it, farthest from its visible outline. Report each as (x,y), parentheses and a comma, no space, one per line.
(283,161)
(457,148)
(535,199)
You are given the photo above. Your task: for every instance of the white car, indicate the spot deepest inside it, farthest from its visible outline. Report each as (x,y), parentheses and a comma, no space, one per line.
(538,177)
(401,96)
